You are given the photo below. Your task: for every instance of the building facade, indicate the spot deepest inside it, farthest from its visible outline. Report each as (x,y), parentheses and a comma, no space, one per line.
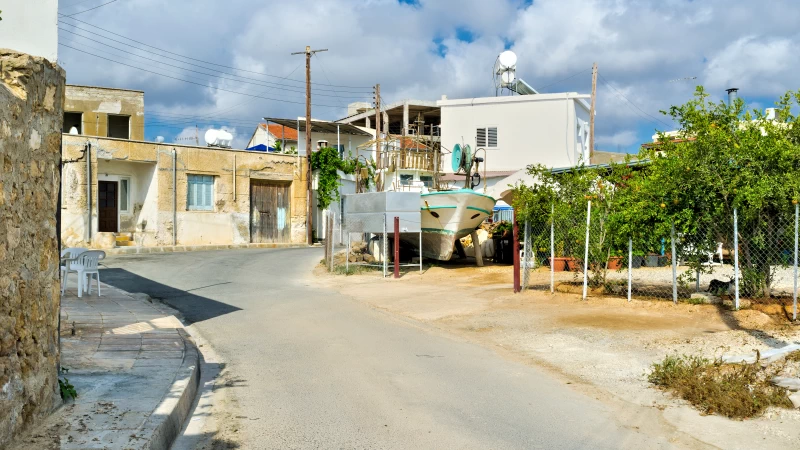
(549,129)
(104,112)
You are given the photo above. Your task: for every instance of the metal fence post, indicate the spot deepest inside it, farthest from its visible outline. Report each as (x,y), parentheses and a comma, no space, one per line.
(630,267)
(586,250)
(794,295)
(384,246)
(674,266)
(396,247)
(347,257)
(420,249)
(515,252)
(736,256)
(552,249)
(526,253)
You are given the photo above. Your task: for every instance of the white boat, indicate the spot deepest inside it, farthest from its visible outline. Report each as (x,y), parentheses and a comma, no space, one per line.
(448,216)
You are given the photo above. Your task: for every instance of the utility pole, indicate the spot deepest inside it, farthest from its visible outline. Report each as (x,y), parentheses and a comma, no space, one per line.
(377,92)
(591,113)
(309,224)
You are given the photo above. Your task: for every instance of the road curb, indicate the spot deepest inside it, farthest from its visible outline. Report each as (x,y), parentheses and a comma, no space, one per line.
(168,418)
(194,248)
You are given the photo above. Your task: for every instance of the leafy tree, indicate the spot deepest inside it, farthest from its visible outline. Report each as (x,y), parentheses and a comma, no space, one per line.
(277,146)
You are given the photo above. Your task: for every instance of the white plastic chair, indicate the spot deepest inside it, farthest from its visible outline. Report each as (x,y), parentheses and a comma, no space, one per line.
(68,256)
(87,265)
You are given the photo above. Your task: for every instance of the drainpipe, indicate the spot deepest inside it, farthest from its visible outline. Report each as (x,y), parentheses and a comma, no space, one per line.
(174,198)
(88,193)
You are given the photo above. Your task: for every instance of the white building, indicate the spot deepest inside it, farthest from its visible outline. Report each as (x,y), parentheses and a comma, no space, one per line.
(549,129)
(30,26)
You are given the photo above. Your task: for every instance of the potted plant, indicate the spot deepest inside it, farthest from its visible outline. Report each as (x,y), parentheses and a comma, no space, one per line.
(616,261)
(559,263)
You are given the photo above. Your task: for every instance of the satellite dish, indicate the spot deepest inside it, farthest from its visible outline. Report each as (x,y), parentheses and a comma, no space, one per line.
(211,136)
(455,161)
(159,139)
(508,77)
(507,60)
(73,130)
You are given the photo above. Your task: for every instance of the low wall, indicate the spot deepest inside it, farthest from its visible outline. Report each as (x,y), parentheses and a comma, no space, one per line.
(31,114)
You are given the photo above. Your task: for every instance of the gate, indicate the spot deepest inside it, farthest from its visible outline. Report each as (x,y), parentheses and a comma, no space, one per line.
(269,212)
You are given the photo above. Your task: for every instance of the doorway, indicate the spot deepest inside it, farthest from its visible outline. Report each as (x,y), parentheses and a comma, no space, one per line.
(107,206)
(269,212)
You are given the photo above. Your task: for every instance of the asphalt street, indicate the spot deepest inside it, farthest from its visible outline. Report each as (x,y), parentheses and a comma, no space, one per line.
(315,369)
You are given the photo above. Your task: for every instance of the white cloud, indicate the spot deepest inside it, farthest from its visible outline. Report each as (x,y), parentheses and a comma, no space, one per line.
(640,45)
(617,140)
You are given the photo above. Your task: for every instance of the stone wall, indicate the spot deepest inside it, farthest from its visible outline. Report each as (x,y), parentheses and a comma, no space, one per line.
(31,110)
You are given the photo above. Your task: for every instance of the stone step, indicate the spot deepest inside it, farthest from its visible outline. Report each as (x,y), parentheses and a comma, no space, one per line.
(122,238)
(125,243)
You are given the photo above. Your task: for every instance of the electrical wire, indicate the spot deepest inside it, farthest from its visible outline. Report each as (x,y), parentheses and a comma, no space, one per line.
(565,79)
(633,104)
(194,82)
(90,9)
(200,60)
(255,82)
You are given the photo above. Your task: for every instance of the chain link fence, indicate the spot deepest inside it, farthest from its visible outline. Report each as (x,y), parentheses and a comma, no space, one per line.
(710,261)
(350,248)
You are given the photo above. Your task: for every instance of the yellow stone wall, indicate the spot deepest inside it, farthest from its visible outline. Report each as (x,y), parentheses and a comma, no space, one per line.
(228,223)
(96,103)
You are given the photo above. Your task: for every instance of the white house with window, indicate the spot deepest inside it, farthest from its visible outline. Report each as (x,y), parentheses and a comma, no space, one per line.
(515,131)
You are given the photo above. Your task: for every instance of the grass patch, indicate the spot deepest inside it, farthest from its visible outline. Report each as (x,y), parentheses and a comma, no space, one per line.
(733,390)
(354,269)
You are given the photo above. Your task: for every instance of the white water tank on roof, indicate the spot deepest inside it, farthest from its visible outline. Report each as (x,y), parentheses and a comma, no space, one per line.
(218,138)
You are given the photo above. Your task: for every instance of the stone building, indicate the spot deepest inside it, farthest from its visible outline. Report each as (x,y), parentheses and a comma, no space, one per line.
(31,107)
(151,194)
(104,112)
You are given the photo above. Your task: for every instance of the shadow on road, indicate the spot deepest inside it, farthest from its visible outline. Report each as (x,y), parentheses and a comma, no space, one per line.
(195,308)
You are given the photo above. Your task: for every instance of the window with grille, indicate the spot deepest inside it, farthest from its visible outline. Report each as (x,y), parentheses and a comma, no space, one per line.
(486,137)
(200,196)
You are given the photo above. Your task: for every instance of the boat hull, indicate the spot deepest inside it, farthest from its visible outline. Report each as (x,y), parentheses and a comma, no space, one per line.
(448,216)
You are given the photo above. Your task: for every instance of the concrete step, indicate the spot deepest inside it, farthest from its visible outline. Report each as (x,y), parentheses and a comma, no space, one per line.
(123,238)
(125,243)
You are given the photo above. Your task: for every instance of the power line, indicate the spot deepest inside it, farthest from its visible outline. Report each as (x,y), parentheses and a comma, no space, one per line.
(631,103)
(565,79)
(322,66)
(193,82)
(200,60)
(90,9)
(252,81)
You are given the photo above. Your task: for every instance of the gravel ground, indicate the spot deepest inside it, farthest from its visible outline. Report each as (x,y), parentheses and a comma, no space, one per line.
(604,346)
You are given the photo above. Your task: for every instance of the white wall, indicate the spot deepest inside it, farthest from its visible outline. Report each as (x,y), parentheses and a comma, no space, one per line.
(530,129)
(30,26)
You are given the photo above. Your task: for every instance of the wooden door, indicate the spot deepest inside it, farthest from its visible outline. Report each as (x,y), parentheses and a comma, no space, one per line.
(107,207)
(269,212)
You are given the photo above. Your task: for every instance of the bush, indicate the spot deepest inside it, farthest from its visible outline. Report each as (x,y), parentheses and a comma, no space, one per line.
(733,390)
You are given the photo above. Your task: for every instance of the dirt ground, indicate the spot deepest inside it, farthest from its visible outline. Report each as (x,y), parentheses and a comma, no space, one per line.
(603,347)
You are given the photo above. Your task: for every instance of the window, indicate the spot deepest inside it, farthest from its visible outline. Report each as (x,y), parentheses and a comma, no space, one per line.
(486,137)
(119,127)
(73,119)
(200,195)
(406,180)
(427,180)
(124,194)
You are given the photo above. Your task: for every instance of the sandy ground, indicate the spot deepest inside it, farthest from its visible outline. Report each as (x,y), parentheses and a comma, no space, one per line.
(604,347)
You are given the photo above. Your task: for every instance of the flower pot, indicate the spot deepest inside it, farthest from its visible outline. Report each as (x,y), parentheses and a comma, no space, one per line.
(637,262)
(615,262)
(651,260)
(573,265)
(558,264)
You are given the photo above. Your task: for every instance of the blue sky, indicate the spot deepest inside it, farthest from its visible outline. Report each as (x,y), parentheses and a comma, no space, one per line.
(424,49)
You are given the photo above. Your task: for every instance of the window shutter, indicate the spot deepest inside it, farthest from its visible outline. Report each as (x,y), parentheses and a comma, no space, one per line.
(208,195)
(492,137)
(481,135)
(192,200)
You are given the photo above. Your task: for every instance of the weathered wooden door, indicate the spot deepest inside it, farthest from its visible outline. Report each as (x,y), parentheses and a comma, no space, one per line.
(269,212)
(107,207)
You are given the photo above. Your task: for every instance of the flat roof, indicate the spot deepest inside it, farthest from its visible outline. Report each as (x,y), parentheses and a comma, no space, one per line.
(414,107)
(513,99)
(103,87)
(319,126)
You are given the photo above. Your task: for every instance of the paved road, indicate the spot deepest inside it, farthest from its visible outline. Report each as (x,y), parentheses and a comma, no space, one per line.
(315,369)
